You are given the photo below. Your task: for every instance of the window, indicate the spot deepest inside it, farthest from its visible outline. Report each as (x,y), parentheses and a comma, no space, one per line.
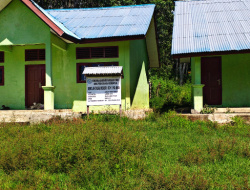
(80,68)
(97,52)
(34,54)
(1,56)
(1,75)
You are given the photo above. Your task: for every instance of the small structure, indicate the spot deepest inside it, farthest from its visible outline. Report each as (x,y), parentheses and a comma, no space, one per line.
(43,53)
(103,86)
(215,34)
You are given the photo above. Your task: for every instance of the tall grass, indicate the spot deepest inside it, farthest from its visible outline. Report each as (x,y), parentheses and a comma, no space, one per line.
(108,152)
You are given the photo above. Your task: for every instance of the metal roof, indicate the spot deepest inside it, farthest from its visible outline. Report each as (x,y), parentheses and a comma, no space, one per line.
(211,26)
(108,70)
(60,25)
(91,23)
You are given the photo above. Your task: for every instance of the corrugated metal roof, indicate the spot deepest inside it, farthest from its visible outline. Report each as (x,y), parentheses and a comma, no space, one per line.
(210,26)
(108,70)
(60,25)
(91,23)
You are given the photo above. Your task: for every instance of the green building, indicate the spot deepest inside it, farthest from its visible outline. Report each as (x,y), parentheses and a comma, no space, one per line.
(44,52)
(215,36)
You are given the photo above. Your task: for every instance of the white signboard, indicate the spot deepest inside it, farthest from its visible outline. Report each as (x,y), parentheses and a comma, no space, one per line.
(103,91)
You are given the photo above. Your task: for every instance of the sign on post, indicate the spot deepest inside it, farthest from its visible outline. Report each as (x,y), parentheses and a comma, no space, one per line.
(103,91)
(103,86)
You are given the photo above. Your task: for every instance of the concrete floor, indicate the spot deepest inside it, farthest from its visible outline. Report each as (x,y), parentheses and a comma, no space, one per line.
(232,110)
(221,115)
(221,118)
(35,116)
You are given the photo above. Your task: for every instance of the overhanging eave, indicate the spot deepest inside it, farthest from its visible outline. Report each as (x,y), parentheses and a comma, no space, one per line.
(202,54)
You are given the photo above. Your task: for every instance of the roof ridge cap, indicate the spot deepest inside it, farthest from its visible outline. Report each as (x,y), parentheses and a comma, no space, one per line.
(91,8)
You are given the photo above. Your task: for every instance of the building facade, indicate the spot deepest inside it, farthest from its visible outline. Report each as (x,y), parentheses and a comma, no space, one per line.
(44,52)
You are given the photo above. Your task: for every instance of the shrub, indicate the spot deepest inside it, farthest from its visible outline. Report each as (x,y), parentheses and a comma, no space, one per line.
(167,94)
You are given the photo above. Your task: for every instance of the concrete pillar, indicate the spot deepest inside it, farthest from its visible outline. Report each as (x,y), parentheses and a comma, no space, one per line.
(49,88)
(198,97)
(126,71)
(197,87)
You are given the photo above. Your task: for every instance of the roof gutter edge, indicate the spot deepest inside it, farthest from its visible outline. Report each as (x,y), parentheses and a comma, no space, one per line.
(201,54)
(110,39)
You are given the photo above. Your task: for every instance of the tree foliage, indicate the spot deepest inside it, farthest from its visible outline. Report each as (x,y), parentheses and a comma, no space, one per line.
(164,20)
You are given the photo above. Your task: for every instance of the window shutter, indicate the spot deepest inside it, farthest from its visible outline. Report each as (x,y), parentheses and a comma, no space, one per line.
(97,52)
(111,52)
(1,75)
(1,56)
(41,54)
(34,54)
(82,53)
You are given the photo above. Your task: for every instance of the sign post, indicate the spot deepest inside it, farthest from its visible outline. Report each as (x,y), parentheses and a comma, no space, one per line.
(103,90)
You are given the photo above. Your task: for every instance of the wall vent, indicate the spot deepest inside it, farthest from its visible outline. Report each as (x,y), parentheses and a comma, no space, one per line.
(97,52)
(34,54)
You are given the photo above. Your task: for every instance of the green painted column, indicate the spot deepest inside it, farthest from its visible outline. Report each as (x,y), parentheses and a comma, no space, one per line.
(126,71)
(198,97)
(197,87)
(48,88)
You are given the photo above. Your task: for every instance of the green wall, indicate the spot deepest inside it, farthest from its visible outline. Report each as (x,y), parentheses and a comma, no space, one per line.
(138,55)
(13,91)
(68,92)
(21,26)
(236,80)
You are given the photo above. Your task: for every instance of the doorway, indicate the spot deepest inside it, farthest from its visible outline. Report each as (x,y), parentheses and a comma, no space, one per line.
(211,78)
(34,80)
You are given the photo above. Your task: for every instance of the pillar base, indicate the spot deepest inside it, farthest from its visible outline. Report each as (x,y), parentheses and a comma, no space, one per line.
(198,97)
(48,97)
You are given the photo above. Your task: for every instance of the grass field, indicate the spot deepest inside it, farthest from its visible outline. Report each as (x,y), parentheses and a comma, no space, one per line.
(108,152)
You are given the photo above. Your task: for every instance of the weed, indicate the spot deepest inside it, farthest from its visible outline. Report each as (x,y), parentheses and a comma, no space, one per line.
(208,110)
(164,151)
(229,111)
(179,178)
(215,152)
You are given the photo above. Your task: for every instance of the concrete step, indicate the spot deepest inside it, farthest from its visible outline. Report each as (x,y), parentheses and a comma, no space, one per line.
(221,118)
(232,110)
(35,116)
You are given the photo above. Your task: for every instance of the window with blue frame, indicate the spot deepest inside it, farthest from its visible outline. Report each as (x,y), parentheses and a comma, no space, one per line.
(81,78)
